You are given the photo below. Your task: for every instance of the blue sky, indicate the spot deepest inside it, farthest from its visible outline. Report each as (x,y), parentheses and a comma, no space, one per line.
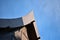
(46,12)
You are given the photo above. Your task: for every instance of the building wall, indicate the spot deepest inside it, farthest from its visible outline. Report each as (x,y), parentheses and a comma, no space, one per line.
(28,32)
(22,34)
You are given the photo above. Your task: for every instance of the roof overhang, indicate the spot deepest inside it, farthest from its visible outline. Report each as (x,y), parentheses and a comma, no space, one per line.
(17,22)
